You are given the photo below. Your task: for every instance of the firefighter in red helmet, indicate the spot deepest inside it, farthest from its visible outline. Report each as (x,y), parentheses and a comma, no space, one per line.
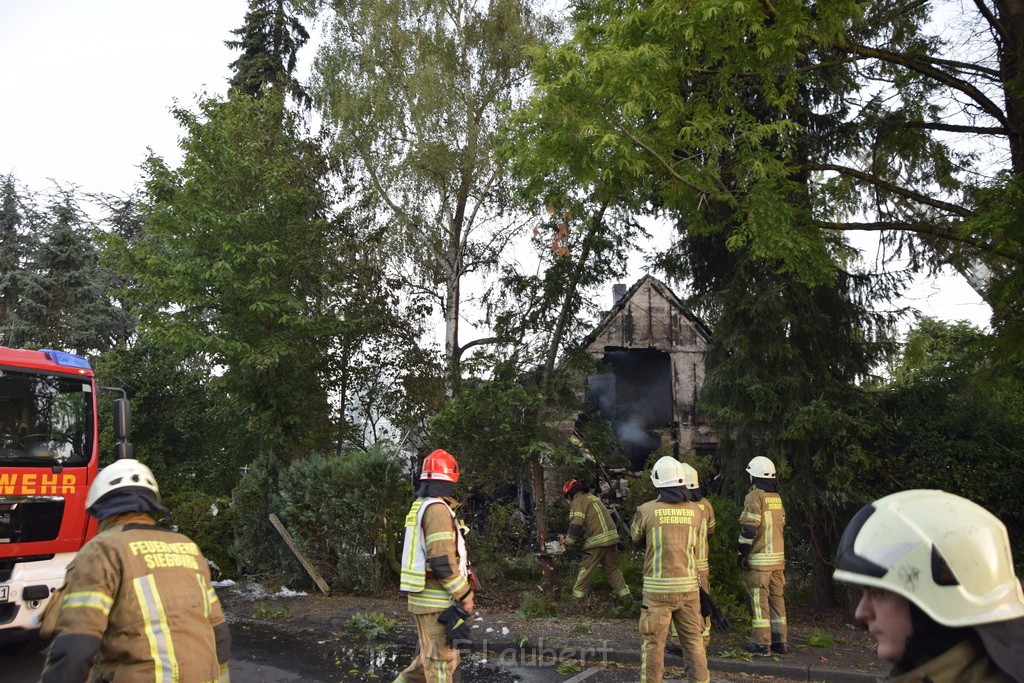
(591,523)
(435,569)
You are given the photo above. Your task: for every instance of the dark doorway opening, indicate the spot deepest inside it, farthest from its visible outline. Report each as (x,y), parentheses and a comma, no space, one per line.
(635,395)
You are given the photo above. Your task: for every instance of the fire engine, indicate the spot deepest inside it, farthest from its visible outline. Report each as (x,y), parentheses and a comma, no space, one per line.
(49,454)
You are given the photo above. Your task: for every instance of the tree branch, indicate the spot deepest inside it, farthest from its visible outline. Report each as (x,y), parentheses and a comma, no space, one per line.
(895,189)
(929,69)
(931,230)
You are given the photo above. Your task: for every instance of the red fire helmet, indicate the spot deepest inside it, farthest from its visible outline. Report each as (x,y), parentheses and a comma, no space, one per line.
(569,486)
(440,466)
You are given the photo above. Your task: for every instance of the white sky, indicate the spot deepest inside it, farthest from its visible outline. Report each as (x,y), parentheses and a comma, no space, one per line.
(88,86)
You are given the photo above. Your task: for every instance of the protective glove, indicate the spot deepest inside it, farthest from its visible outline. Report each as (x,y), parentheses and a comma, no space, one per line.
(456,625)
(708,608)
(743,562)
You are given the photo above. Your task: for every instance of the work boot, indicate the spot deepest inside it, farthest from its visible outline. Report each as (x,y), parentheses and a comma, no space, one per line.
(780,648)
(758,650)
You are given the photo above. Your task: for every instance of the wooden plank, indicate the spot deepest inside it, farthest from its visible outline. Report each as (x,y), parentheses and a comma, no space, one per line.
(317,579)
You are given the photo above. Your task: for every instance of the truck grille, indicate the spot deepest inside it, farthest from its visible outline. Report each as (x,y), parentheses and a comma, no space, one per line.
(7,565)
(30,519)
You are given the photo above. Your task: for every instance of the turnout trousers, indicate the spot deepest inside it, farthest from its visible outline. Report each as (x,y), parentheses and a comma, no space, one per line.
(436,660)
(767,606)
(683,611)
(607,557)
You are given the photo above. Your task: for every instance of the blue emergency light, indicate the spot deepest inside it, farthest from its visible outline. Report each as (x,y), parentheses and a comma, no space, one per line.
(67,359)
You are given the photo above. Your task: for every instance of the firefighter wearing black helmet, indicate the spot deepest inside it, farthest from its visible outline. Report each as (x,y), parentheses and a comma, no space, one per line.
(591,523)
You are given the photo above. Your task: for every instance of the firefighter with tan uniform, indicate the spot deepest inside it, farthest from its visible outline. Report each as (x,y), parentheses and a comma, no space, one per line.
(762,557)
(435,571)
(669,527)
(704,548)
(961,618)
(137,604)
(590,521)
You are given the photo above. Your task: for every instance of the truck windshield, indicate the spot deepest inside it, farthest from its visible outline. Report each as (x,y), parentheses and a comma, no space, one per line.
(44,419)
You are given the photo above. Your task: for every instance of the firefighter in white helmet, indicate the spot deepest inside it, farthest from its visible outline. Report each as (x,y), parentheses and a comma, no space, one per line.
(591,524)
(704,549)
(939,592)
(761,555)
(668,527)
(435,570)
(137,604)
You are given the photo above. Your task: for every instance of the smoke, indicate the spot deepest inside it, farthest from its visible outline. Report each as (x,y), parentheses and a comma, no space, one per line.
(635,396)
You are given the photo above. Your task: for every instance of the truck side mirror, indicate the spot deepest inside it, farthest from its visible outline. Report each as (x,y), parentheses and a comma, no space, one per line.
(122,420)
(123,449)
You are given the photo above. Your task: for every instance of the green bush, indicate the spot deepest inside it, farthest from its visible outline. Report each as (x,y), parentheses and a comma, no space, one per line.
(347,514)
(257,545)
(728,587)
(503,534)
(207,520)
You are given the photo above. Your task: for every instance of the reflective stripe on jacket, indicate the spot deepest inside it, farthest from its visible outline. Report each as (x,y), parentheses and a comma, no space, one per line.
(139,595)
(707,528)
(589,518)
(762,523)
(670,532)
(432,538)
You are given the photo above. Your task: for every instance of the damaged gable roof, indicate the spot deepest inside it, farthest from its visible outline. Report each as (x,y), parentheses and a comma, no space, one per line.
(663,290)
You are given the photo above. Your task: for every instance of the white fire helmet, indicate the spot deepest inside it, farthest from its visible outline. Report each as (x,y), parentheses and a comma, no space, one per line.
(761,467)
(118,475)
(668,472)
(692,479)
(947,555)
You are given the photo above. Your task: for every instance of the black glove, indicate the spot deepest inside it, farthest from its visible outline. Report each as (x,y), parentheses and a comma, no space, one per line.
(456,625)
(743,562)
(708,608)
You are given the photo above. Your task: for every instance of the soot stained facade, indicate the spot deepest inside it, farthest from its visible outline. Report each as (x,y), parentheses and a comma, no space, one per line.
(653,350)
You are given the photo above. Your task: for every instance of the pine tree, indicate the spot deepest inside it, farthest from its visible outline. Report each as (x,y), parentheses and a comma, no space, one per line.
(11,257)
(64,301)
(270,40)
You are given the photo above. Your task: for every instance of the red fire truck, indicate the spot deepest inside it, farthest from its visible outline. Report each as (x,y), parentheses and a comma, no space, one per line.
(49,454)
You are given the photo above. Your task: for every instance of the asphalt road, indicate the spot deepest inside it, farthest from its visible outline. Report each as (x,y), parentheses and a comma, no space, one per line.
(261,655)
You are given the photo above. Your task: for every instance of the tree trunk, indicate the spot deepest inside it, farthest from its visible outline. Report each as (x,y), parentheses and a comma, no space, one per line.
(822,588)
(540,518)
(1011,63)
(539,502)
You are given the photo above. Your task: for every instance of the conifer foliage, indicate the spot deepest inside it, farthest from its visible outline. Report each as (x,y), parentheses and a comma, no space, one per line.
(270,40)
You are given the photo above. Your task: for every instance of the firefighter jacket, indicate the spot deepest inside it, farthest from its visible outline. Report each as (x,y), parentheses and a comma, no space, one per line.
(671,532)
(966,662)
(589,518)
(707,528)
(761,525)
(138,596)
(434,562)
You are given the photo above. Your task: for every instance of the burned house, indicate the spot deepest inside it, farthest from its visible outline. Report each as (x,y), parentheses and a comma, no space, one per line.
(652,353)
